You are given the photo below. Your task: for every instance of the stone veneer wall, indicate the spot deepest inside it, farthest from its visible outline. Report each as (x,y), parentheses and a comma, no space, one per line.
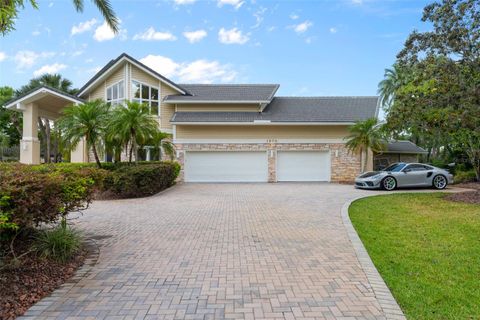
(345,166)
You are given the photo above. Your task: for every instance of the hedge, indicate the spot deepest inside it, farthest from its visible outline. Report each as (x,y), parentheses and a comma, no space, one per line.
(142,180)
(32,195)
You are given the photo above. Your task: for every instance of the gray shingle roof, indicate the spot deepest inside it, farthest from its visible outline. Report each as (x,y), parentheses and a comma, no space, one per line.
(295,109)
(226,92)
(403,146)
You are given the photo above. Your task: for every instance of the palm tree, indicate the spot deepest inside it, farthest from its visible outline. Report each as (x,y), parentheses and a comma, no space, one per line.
(392,80)
(163,142)
(133,125)
(9,12)
(88,120)
(365,135)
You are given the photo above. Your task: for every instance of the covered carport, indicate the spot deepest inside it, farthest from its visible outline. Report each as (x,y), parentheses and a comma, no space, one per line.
(44,102)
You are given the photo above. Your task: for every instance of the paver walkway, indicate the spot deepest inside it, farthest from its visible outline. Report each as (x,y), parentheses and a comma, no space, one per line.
(226,251)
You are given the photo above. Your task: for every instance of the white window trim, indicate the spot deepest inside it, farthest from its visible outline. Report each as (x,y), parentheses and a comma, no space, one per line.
(112,85)
(132,95)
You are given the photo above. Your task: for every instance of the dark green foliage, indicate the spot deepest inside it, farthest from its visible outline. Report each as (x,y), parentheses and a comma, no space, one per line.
(465,176)
(32,196)
(141,181)
(60,243)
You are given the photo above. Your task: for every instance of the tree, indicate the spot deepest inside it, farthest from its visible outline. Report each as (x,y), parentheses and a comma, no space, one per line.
(365,135)
(133,126)
(55,81)
(392,80)
(161,140)
(9,12)
(440,102)
(10,121)
(87,121)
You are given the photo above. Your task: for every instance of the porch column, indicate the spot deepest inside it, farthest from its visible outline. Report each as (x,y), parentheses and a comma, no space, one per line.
(80,153)
(29,145)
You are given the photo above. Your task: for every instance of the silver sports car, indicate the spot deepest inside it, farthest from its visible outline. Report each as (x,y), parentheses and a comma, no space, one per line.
(402,174)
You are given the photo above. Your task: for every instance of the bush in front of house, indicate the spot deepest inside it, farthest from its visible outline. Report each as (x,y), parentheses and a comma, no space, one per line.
(136,181)
(31,197)
(465,176)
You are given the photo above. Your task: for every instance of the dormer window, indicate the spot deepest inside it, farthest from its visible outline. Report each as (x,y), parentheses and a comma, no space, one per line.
(148,95)
(116,93)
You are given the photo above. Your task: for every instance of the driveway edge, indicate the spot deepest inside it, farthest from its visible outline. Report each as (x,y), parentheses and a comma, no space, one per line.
(90,261)
(385,298)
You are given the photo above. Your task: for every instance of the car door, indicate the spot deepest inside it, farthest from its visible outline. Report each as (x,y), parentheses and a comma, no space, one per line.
(414,175)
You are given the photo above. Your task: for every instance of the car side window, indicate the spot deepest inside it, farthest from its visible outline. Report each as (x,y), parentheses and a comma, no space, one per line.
(416,168)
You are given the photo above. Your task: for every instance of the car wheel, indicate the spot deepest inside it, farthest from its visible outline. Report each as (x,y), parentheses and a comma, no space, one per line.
(389,183)
(440,182)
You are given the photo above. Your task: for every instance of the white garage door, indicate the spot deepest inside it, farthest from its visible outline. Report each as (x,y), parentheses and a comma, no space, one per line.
(303,166)
(229,166)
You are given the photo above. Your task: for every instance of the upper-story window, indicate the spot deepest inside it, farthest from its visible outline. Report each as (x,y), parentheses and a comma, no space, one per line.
(116,93)
(148,95)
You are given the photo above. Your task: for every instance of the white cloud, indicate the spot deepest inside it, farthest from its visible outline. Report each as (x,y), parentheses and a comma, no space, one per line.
(89,60)
(83,26)
(35,33)
(163,65)
(302,27)
(259,17)
(358,2)
(232,36)
(182,2)
(50,4)
(195,36)
(94,70)
(104,33)
(3,56)
(150,35)
(26,59)
(294,16)
(235,3)
(49,68)
(333,30)
(198,71)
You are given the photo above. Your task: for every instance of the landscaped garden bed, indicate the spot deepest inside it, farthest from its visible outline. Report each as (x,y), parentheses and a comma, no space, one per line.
(38,249)
(427,250)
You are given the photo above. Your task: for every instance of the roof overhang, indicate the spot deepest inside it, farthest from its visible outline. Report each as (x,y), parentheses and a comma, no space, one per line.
(173,101)
(265,123)
(37,94)
(124,58)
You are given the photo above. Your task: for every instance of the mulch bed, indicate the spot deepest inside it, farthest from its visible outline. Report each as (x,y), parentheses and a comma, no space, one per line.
(468,196)
(23,285)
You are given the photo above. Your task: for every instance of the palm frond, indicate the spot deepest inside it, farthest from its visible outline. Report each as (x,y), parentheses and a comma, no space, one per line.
(107,12)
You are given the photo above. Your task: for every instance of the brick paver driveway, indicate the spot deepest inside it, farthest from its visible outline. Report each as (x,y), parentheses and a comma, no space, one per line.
(204,251)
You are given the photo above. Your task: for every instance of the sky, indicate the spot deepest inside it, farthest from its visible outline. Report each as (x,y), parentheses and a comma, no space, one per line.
(310,48)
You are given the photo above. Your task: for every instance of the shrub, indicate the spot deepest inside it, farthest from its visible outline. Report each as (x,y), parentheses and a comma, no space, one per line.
(465,176)
(141,180)
(60,243)
(32,196)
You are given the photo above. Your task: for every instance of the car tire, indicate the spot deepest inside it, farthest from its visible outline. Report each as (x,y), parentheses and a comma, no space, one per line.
(389,183)
(439,182)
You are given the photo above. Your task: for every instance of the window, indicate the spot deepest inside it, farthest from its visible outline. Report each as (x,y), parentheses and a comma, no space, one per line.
(116,93)
(145,94)
(396,167)
(416,168)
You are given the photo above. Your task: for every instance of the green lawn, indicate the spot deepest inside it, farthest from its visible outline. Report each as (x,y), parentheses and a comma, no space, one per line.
(427,250)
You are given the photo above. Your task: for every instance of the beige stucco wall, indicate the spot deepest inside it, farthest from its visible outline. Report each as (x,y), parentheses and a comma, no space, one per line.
(218,107)
(260,132)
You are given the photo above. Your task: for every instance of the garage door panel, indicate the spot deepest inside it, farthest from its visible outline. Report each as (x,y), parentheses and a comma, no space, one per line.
(303,166)
(233,166)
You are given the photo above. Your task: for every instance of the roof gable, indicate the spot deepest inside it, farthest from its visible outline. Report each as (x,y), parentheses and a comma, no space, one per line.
(119,61)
